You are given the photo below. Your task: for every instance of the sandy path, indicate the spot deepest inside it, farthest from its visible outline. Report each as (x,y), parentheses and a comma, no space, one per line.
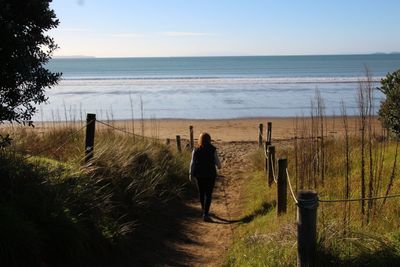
(209,241)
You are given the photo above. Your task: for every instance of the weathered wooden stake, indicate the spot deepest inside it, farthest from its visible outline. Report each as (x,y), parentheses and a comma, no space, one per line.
(269,132)
(282,186)
(191,144)
(90,130)
(271,165)
(260,135)
(178,143)
(306,227)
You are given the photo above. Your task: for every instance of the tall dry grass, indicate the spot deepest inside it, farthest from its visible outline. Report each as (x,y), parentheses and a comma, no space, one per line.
(58,210)
(360,162)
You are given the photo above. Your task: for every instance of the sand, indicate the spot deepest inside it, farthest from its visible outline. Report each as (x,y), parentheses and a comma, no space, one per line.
(228,130)
(224,130)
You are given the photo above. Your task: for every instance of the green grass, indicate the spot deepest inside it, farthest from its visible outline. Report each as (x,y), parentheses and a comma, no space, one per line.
(263,239)
(57,210)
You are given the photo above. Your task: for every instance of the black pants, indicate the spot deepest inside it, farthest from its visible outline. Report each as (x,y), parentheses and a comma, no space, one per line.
(206,186)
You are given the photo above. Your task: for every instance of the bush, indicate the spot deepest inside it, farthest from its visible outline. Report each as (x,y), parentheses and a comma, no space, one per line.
(24,51)
(389,112)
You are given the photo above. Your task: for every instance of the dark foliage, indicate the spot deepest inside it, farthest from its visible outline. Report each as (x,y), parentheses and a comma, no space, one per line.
(5,141)
(24,50)
(389,112)
(58,214)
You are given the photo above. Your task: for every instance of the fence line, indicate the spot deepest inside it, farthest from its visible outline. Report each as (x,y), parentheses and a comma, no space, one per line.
(269,155)
(306,201)
(265,153)
(115,128)
(124,131)
(272,165)
(49,149)
(291,188)
(357,199)
(67,139)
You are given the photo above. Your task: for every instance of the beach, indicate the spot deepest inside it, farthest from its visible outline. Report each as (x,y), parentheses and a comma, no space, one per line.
(246,129)
(227,130)
(221,130)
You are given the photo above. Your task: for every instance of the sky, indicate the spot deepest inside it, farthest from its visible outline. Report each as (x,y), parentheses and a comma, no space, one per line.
(169,28)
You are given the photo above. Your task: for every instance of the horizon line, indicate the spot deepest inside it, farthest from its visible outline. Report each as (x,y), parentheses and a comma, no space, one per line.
(194,56)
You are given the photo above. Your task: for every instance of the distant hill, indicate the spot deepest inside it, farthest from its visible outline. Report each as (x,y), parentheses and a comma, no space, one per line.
(72,57)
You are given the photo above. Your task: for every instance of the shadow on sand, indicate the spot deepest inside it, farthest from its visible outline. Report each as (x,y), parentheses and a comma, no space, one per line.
(264,209)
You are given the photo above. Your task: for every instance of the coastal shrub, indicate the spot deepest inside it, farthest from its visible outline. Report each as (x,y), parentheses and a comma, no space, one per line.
(389,112)
(24,51)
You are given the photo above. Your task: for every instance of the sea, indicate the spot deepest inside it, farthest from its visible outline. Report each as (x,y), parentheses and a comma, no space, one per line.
(210,87)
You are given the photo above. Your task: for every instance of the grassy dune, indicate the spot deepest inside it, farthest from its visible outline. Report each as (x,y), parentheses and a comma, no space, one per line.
(58,211)
(345,236)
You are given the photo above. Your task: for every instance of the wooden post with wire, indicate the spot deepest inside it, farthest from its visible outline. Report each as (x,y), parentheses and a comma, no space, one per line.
(90,131)
(306,227)
(282,186)
(191,144)
(178,143)
(271,165)
(269,132)
(266,149)
(260,135)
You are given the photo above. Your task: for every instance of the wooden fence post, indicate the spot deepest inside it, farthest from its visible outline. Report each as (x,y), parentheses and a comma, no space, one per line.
(282,186)
(191,144)
(260,135)
(167,141)
(178,143)
(306,227)
(271,165)
(89,141)
(269,132)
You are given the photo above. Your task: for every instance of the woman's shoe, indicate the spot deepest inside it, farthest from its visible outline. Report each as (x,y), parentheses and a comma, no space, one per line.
(206,218)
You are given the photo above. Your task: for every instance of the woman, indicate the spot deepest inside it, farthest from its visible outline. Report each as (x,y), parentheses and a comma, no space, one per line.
(202,167)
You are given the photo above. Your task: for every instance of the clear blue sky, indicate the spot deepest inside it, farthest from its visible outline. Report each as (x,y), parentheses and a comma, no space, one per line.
(121,28)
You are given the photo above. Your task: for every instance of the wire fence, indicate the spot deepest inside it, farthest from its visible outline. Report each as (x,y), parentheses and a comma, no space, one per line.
(358,199)
(271,165)
(67,139)
(63,144)
(290,187)
(126,132)
(337,200)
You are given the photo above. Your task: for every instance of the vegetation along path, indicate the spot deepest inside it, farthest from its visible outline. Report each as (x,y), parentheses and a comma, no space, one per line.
(208,242)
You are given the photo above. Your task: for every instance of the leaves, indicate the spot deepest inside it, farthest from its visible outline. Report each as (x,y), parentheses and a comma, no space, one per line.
(24,51)
(389,112)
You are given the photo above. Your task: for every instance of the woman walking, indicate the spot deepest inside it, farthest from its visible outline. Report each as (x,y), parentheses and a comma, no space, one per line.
(203,168)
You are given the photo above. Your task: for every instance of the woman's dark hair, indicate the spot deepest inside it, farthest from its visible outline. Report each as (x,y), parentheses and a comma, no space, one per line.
(204,140)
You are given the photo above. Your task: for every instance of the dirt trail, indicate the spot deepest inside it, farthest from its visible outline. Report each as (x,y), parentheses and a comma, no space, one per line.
(207,242)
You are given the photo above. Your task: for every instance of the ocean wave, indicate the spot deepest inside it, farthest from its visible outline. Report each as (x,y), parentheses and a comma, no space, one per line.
(212,79)
(194,91)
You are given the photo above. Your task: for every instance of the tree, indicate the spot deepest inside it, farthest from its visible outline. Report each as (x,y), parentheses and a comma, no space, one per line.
(389,112)
(24,51)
